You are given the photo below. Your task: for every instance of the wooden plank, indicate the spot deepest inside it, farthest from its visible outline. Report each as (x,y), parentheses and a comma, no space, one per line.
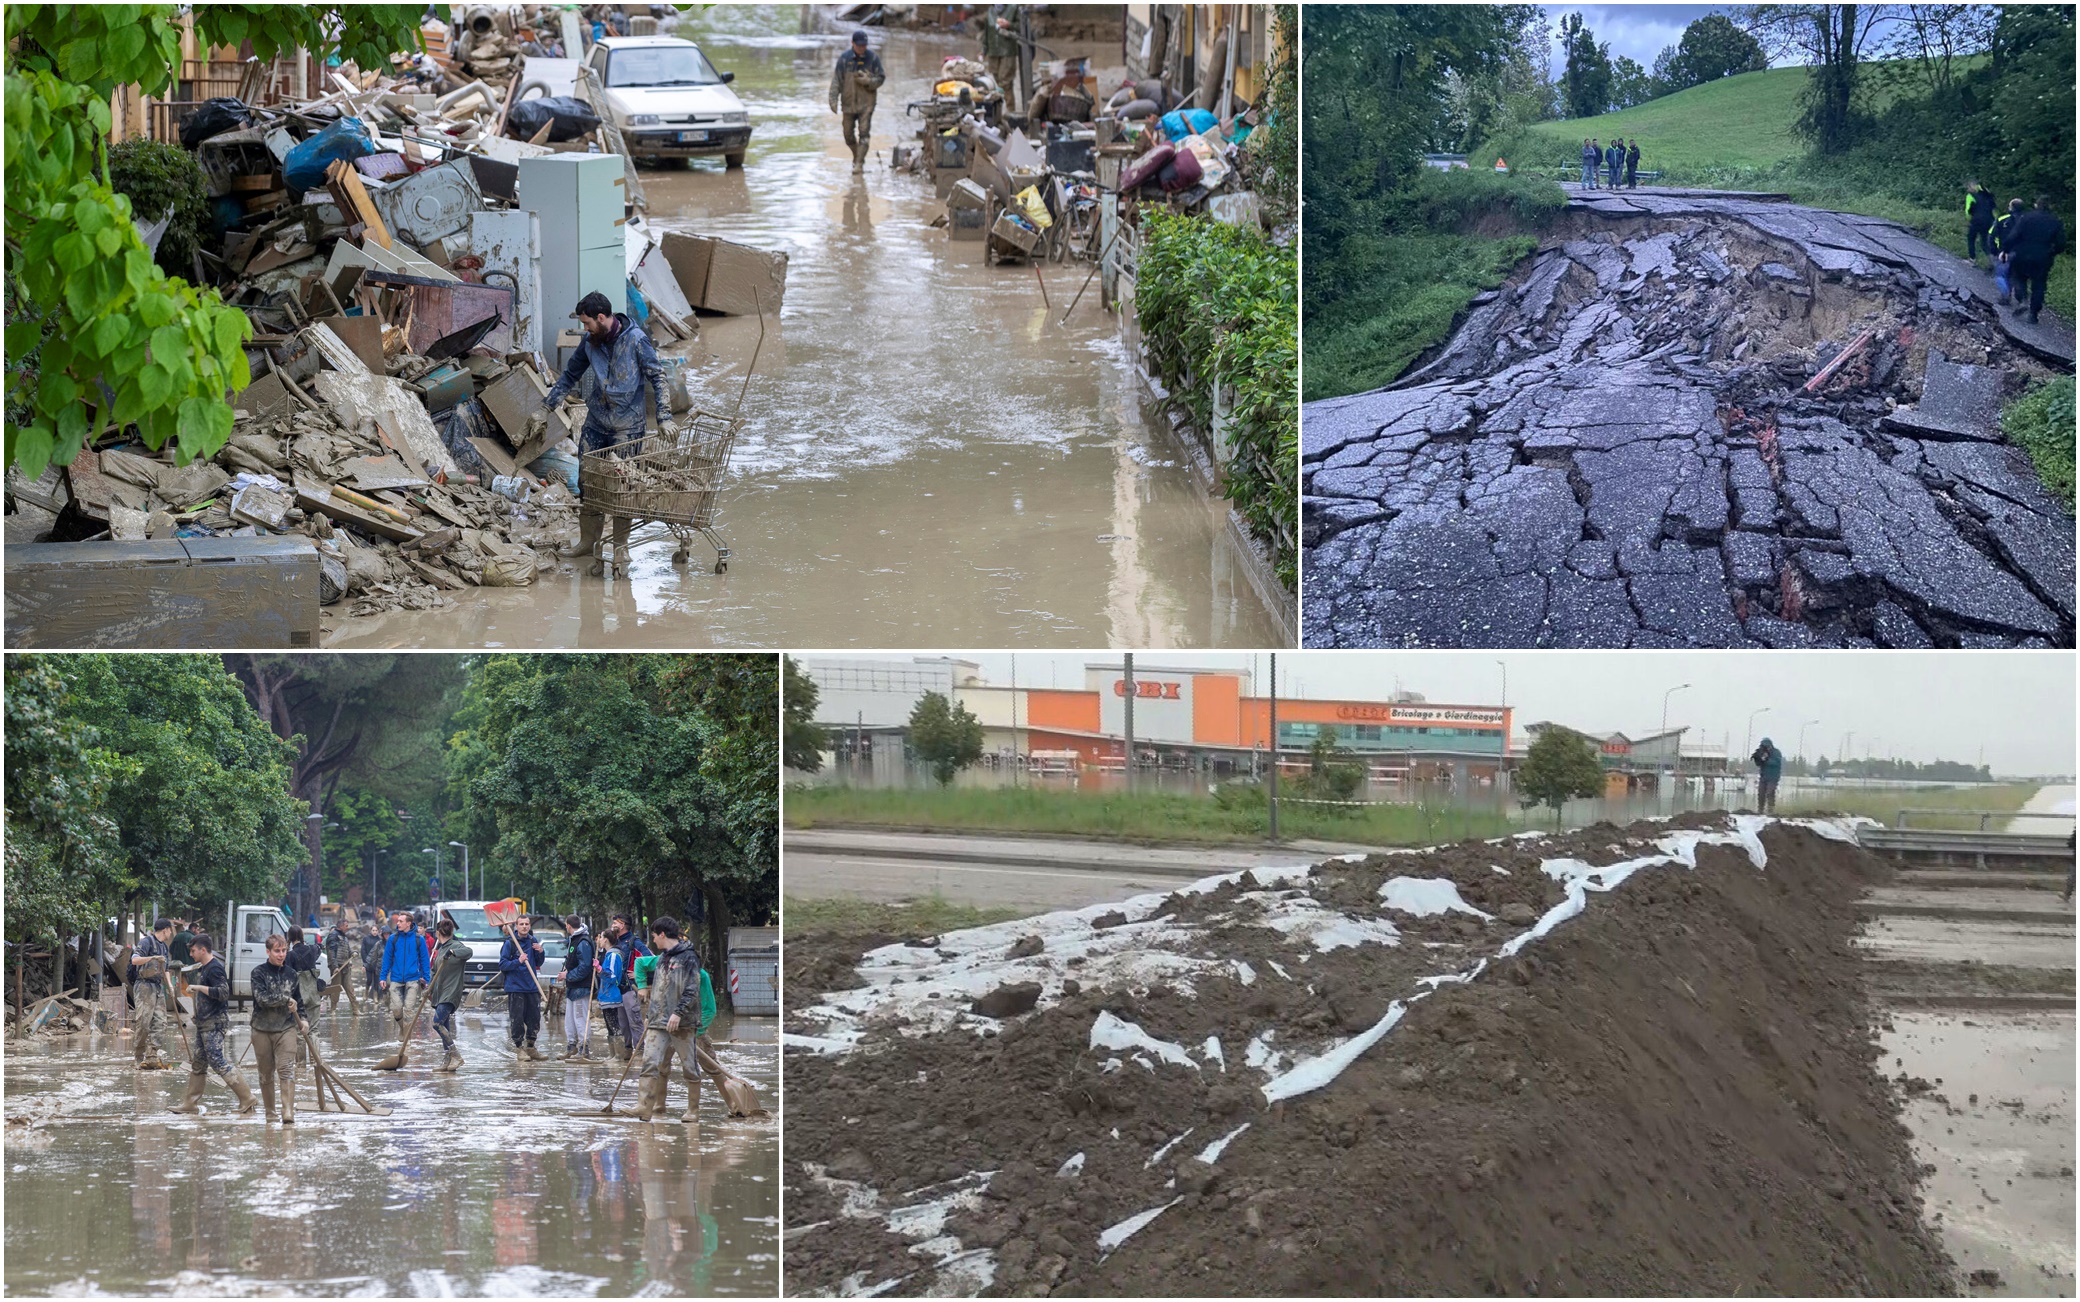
(397,444)
(355,195)
(313,495)
(362,334)
(495,456)
(335,350)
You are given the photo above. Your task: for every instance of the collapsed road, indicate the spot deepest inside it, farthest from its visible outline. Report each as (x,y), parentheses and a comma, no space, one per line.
(488,1182)
(1699,419)
(1482,1068)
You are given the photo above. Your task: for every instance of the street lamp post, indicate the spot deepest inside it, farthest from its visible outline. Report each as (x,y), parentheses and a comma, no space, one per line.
(1505,684)
(465,870)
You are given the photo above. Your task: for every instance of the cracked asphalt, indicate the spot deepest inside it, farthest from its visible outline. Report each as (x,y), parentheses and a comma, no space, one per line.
(1621,448)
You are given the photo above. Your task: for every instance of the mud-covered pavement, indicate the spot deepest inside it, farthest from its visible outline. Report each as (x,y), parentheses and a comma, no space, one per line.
(1632,444)
(928,458)
(486,1182)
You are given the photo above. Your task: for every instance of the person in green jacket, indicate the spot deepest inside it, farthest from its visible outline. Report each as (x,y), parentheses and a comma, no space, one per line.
(450,960)
(1978,221)
(999,26)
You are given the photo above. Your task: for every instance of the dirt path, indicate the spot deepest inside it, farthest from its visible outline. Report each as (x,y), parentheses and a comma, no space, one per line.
(1624,446)
(1319,1083)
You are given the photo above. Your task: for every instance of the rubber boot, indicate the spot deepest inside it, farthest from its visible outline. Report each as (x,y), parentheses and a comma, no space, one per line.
(289,1103)
(589,526)
(194,1096)
(693,1105)
(647,1100)
(267,1096)
(451,1063)
(246,1101)
(532,1053)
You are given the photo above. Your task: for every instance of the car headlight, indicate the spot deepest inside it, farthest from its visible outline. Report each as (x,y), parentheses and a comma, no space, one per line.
(644,120)
(735,119)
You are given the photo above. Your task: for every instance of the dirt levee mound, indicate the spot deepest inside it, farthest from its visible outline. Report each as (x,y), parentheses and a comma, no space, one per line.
(1699,422)
(1629,1061)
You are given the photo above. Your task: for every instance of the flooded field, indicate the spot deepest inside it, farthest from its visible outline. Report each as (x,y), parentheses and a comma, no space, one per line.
(928,455)
(488,1182)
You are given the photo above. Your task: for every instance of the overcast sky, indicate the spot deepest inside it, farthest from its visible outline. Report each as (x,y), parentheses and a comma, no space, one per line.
(1639,32)
(2018,705)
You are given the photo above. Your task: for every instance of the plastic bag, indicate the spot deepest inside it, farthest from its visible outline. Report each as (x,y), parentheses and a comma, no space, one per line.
(1033,207)
(1179,123)
(566,118)
(214,118)
(304,168)
(557,464)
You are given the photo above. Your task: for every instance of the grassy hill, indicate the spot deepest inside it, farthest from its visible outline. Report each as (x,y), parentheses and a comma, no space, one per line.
(1735,122)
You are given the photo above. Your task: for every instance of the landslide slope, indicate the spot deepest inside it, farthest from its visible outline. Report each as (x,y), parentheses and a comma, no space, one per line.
(1639,442)
(1625,1075)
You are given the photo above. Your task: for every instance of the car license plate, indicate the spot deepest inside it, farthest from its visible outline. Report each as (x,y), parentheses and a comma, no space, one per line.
(693,137)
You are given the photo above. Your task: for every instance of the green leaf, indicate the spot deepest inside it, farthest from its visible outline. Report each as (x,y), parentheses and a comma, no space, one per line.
(32,448)
(74,251)
(169,342)
(155,383)
(108,333)
(231,330)
(156,309)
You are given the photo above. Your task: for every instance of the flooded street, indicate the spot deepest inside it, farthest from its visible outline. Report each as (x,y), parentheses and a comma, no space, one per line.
(928,456)
(488,1182)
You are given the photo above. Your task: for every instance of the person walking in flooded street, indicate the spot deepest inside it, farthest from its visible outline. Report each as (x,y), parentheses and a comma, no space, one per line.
(343,953)
(999,24)
(148,1019)
(450,962)
(277,1017)
(207,1052)
(672,1020)
(577,989)
(1769,768)
(855,84)
(403,973)
(520,957)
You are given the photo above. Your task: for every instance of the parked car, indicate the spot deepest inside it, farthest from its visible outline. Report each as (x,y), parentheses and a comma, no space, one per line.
(668,101)
(244,947)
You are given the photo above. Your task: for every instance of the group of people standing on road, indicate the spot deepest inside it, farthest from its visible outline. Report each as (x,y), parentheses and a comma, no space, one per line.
(656,1001)
(2020,244)
(1616,160)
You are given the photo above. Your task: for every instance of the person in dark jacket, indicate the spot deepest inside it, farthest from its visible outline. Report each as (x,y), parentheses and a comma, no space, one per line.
(623,1011)
(999,26)
(577,988)
(343,953)
(2036,238)
(450,964)
(520,957)
(371,951)
(1979,211)
(1614,161)
(1769,768)
(178,947)
(212,988)
(147,977)
(1592,157)
(1632,165)
(1997,238)
(404,972)
(622,359)
(278,1015)
(855,85)
(671,1022)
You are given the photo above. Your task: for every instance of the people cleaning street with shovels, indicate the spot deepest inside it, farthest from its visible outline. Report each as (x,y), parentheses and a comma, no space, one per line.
(450,961)
(521,958)
(402,978)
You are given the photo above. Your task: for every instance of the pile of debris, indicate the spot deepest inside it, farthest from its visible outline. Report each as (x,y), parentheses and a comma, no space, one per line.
(1699,421)
(386,240)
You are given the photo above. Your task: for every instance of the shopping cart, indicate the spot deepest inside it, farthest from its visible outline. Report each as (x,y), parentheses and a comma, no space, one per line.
(665,487)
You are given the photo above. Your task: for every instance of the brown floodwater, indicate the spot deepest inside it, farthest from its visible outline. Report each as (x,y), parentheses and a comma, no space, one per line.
(928,457)
(483,1183)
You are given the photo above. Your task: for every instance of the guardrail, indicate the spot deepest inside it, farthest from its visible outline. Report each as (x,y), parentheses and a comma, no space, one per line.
(1961,844)
(1983,815)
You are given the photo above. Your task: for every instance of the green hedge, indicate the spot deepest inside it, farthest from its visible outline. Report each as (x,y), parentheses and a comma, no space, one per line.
(1216,299)
(2041,421)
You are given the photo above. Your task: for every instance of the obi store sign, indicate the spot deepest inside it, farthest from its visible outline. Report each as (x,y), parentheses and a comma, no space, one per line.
(1162,709)
(1422,715)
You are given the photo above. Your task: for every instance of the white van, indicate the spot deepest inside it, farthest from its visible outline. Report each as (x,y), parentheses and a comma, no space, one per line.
(668,101)
(484,940)
(244,944)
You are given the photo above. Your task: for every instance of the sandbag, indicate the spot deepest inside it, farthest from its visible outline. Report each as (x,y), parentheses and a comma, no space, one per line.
(1143,169)
(304,168)
(566,118)
(214,118)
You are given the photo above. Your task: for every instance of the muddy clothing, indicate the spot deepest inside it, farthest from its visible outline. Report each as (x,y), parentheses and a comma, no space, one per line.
(303,960)
(404,958)
(212,989)
(147,961)
(405,999)
(274,1061)
(450,969)
(149,1024)
(675,989)
(274,998)
(444,1024)
(856,82)
(523,1016)
(1062,102)
(624,368)
(1000,43)
(659,1046)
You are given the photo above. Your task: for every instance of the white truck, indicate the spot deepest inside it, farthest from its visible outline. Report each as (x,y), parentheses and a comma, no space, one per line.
(472,928)
(243,944)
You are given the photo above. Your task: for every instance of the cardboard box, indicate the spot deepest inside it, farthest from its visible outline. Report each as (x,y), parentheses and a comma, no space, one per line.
(166,594)
(720,276)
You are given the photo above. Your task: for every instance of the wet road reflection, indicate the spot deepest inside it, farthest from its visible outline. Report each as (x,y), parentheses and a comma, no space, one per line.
(928,457)
(494,1181)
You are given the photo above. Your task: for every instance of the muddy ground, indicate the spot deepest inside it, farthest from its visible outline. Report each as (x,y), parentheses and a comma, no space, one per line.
(1677,1091)
(928,456)
(480,1183)
(1632,444)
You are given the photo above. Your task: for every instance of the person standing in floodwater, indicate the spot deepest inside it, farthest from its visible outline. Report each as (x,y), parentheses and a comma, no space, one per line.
(855,84)
(1769,767)
(623,361)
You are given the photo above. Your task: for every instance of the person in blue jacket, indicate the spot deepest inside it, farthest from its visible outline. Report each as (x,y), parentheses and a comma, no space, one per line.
(623,361)
(404,972)
(1769,767)
(520,958)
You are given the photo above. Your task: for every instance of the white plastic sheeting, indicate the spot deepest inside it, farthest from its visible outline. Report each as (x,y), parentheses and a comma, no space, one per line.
(1425,897)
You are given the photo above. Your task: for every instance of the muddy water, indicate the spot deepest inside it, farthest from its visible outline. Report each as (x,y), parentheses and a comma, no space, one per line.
(481,1183)
(928,458)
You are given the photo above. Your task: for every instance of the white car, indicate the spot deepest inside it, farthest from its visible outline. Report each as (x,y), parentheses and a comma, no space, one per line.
(668,101)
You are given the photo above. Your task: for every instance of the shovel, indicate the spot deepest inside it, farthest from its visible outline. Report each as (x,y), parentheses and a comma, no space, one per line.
(395,1061)
(475,998)
(740,1094)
